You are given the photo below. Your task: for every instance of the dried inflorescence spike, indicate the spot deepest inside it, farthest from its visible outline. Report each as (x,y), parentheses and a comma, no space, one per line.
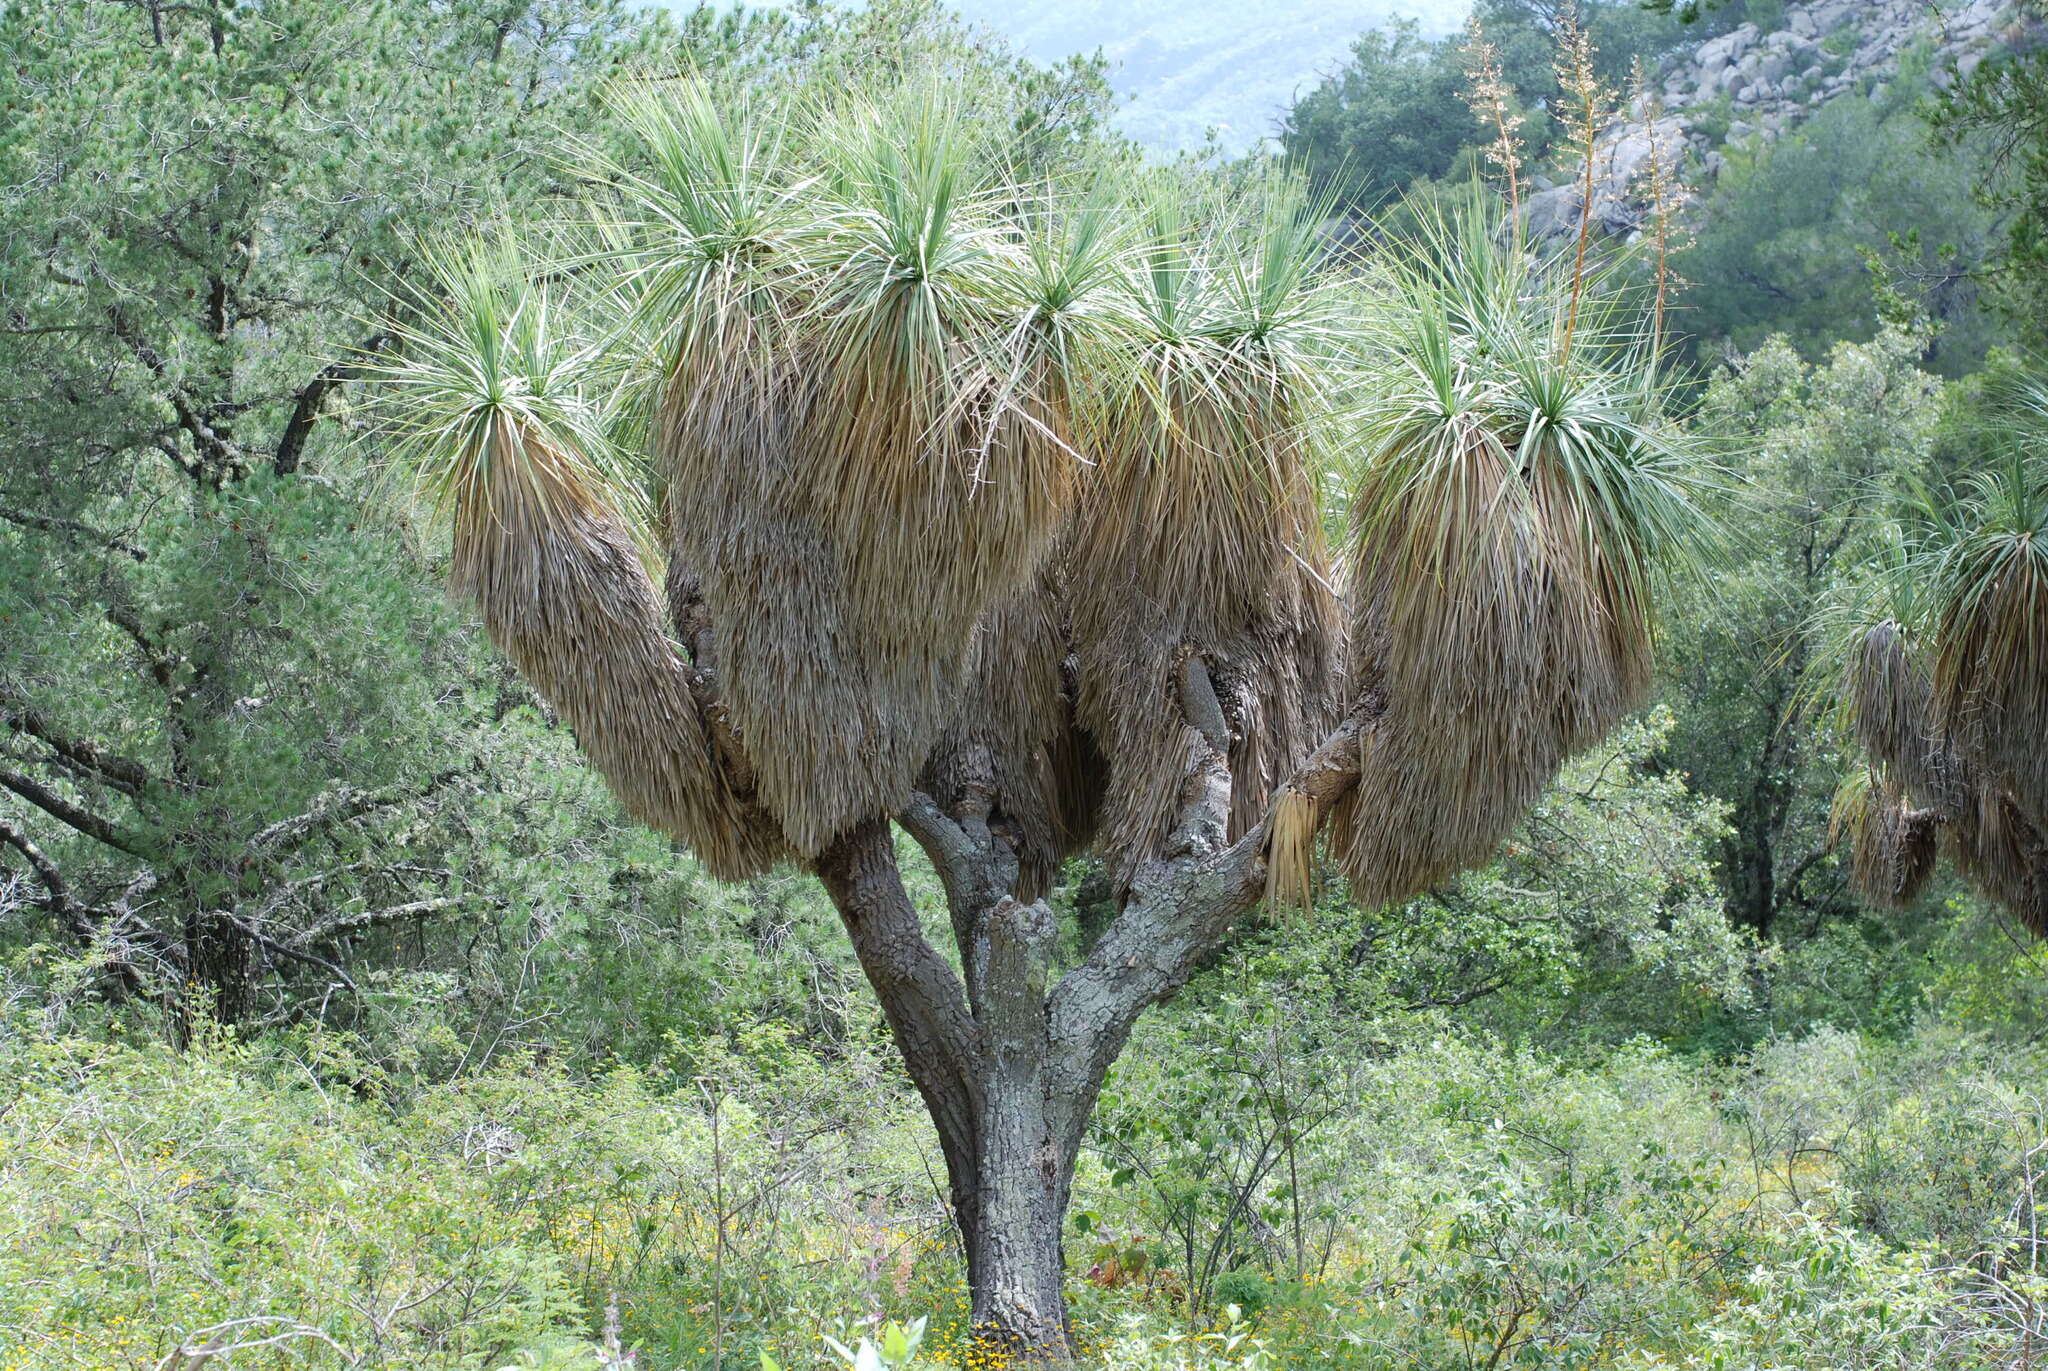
(1493,103)
(1586,108)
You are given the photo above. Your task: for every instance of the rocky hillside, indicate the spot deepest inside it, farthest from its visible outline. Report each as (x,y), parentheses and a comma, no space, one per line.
(1750,85)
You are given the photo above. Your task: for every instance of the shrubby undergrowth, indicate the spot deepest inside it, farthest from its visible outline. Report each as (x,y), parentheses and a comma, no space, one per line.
(1417,1195)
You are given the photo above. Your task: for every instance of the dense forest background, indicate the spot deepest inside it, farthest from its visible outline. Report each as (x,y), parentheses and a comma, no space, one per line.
(346,1021)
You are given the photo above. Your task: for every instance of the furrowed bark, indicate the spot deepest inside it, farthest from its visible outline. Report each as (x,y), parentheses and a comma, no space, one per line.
(1010,1065)
(1016,1261)
(921,997)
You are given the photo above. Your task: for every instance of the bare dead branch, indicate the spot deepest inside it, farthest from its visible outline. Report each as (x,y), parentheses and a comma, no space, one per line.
(338,805)
(335,929)
(291,951)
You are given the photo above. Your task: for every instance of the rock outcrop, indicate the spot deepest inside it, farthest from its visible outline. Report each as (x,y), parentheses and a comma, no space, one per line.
(1749,86)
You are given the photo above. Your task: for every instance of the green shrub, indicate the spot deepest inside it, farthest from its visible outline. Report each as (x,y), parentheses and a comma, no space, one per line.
(150,1195)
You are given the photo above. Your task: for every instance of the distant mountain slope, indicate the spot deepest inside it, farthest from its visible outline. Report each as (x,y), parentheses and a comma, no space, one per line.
(1188,64)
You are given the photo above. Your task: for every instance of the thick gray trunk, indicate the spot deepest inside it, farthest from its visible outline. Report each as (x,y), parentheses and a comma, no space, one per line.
(1010,1064)
(981,1054)
(1012,1215)
(1025,1165)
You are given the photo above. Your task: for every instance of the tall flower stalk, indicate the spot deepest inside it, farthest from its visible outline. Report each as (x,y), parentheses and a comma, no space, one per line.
(1662,190)
(1492,101)
(1586,101)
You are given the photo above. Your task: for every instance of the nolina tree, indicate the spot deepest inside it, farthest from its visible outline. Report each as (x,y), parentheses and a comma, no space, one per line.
(1943,685)
(995,512)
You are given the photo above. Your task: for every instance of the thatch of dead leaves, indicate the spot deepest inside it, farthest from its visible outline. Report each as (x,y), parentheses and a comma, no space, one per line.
(500,435)
(1014,723)
(1014,730)
(883,392)
(862,426)
(1949,691)
(1199,534)
(1990,642)
(1513,499)
(1892,845)
(1891,709)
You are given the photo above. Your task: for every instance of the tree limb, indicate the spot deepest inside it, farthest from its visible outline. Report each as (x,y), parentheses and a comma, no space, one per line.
(227,458)
(121,773)
(60,899)
(1198,701)
(334,929)
(943,840)
(1180,911)
(49,523)
(57,807)
(921,996)
(334,806)
(289,950)
(307,404)
(84,922)
(162,665)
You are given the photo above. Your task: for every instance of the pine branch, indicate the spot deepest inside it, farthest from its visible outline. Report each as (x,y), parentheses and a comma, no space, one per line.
(84,821)
(80,754)
(49,523)
(227,459)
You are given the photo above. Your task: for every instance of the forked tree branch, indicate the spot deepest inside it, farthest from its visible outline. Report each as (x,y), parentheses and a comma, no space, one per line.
(59,899)
(1180,911)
